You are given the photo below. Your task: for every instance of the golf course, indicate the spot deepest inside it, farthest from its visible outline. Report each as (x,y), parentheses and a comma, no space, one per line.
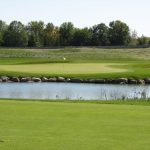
(76,62)
(74,75)
(64,125)
(75,125)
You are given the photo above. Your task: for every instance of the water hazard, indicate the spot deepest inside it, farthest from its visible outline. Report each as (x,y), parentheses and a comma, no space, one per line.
(73,91)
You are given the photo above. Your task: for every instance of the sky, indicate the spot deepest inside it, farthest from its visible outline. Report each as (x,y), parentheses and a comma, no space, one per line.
(82,13)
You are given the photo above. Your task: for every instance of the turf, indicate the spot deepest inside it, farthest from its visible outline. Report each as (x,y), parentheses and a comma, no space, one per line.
(80,62)
(63,68)
(28,125)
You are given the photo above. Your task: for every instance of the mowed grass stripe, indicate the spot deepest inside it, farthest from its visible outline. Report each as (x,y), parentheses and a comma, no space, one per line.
(44,126)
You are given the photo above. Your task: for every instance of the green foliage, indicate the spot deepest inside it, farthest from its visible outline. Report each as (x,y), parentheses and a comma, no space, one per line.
(36,33)
(3,28)
(66,33)
(134,37)
(82,37)
(15,35)
(100,35)
(119,33)
(143,40)
(1,39)
(51,35)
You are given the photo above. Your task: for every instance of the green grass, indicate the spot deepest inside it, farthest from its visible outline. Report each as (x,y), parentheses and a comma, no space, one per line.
(34,125)
(80,62)
(78,54)
(63,68)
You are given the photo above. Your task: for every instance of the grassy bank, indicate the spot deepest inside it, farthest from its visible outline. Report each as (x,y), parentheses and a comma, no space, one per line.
(80,62)
(61,125)
(116,102)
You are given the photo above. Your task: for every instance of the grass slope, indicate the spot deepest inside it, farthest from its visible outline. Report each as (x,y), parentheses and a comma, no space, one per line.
(55,125)
(80,62)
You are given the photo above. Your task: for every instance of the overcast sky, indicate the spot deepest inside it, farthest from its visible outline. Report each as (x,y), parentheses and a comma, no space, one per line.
(136,13)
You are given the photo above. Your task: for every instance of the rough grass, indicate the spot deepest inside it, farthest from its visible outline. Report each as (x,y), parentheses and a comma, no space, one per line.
(78,54)
(55,125)
(98,63)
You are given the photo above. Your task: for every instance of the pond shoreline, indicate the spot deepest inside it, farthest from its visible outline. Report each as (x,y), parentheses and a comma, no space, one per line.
(145,102)
(11,79)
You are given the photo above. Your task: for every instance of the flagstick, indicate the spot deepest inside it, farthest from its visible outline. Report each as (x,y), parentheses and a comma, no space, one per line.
(64,62)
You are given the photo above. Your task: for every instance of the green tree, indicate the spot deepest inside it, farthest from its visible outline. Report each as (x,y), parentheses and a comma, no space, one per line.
(134,37)
(119,33)
(16,35)
(82,37)
(142,40)
(51,35)
(149,42)
(3,28)
(35,31)
(1,39)
(100,35)
(66,33)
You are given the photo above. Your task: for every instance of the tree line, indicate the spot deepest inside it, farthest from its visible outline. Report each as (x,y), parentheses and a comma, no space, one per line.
(37,34)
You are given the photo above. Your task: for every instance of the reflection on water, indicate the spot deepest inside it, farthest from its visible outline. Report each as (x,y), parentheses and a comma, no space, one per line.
(72,91)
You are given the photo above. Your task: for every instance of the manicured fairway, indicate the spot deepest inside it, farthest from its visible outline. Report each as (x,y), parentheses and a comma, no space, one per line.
(73,126)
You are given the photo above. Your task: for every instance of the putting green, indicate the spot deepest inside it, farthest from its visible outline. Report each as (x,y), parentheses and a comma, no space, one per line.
(64,68)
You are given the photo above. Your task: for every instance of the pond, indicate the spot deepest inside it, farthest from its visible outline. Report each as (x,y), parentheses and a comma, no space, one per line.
(73,91)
